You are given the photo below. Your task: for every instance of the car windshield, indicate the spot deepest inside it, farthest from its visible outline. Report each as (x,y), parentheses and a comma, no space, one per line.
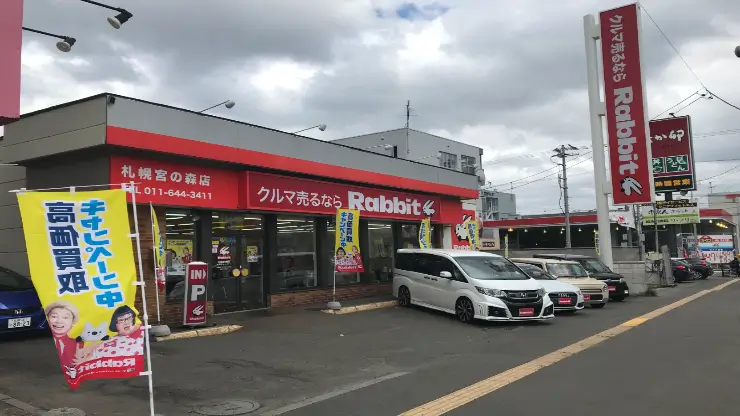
(566,270)
(10,281)
(535,272)
(595,266)
(490,268)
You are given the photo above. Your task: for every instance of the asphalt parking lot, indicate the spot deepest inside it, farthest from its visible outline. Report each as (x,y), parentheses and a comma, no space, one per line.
(380,362)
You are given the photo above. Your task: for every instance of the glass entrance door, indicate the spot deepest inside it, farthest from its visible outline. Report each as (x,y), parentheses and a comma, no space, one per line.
(237,250)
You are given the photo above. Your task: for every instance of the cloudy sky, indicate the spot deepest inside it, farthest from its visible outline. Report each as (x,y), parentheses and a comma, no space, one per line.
(508,76)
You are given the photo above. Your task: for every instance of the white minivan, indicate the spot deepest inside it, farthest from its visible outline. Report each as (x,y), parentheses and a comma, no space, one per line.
(470,284)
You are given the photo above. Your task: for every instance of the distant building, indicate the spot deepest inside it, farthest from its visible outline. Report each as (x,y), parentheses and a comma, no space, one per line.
(494,205)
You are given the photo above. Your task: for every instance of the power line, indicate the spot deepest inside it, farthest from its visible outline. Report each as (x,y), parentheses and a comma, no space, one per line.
(673,46)
(724,101)
(716,176)
(552,174)
(676,105)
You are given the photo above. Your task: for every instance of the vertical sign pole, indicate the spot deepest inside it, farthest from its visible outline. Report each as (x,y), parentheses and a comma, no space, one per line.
(132,189)
(596,108)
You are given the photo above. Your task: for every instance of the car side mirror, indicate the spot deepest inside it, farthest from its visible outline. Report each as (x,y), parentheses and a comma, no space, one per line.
(446,275)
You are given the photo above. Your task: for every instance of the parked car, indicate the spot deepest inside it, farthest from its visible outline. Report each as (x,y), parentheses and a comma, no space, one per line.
(701,266)
(564,296)
(681,270)
(470,284)
(618,288)
(20,307)
(595,292)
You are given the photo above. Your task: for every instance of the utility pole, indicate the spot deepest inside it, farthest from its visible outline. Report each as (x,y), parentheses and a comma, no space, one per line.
(408,118)
(711,188)
(562,153)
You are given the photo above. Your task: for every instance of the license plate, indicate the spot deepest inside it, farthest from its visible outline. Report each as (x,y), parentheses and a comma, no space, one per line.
(19,322)
(612,288)
(564,301)
(586,297)
(526,312)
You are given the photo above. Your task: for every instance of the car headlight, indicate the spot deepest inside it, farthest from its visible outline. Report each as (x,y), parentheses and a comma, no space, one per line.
(605,288)
(541,292)
(495,293)
(621,280)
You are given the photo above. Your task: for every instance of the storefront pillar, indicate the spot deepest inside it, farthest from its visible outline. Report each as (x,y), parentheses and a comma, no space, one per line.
(270,257)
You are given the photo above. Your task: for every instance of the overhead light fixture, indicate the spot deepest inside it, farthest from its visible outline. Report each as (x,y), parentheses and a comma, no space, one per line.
(116,21)
(510,230)
(321,127)
(228,104)
(64,45)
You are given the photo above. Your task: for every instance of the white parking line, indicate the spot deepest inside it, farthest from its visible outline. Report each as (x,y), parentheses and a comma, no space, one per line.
(332,394)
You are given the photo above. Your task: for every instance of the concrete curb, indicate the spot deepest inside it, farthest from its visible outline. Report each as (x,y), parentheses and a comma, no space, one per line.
(361,308)
(216,330)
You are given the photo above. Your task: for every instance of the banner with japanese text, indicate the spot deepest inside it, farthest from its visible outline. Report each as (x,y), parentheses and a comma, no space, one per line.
(347,244)
(425,237)
(160,256)
(82,265)
(473,227)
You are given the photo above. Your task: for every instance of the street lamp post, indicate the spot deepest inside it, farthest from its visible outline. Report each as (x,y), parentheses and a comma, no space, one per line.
(321,127)
(227,104)
(116,21)
(64,45)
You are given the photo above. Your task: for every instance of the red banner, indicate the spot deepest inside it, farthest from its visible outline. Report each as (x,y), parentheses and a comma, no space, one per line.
(673,154)
(460,237)
(165,183)
(11,40)
(280,193)
(624,94)
(196,299)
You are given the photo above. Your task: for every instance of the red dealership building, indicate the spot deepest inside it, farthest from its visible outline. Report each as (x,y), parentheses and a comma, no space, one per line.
(256,204)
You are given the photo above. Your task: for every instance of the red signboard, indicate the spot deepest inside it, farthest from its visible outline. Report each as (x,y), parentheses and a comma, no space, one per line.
(280,193)
(174,184)
(673,154)
(195,300)
(624,94)
(11,39)
(460,238)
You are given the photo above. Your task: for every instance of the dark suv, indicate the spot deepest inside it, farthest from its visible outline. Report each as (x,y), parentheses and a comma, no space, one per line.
(618,289)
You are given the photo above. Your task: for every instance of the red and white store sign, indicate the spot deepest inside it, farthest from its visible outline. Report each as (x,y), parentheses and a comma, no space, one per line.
(460,239)
(627,125)
(167,183)
(280,193)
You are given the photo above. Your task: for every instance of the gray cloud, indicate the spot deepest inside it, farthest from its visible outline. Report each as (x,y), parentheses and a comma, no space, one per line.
(509,80)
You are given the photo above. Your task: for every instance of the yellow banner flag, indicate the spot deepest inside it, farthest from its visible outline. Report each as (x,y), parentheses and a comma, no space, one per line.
(347,242)
(82,265)
(160,258)
(425,237)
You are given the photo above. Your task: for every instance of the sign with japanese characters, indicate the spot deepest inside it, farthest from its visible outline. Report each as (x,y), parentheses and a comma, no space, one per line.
(673,154)
(165,183)
(82,266)
(718,249)
(681,211)
(11,21)
(425,236)
(280,193)
(347,242)
(195,299)
(626,106)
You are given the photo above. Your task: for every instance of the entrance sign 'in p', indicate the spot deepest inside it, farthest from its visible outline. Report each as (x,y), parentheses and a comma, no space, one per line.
(196,298)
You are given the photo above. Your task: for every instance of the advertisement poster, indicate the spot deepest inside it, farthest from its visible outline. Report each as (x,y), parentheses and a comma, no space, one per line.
(253,254)
(196,298)
(180,253)
(717,248)
(347,244)
(82,266)
(425,238)
(160,257)
(506,246)
(473,235)
(681,211)
(460,233)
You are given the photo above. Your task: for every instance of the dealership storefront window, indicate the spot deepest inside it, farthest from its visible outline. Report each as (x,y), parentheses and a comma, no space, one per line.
(410,235)
(379,260)
(179,248)
(237,247)
(296,253)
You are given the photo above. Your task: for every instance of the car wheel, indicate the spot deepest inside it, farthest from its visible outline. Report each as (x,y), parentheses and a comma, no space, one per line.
(617,299)
(464,310)
(598,305)
(404,296)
